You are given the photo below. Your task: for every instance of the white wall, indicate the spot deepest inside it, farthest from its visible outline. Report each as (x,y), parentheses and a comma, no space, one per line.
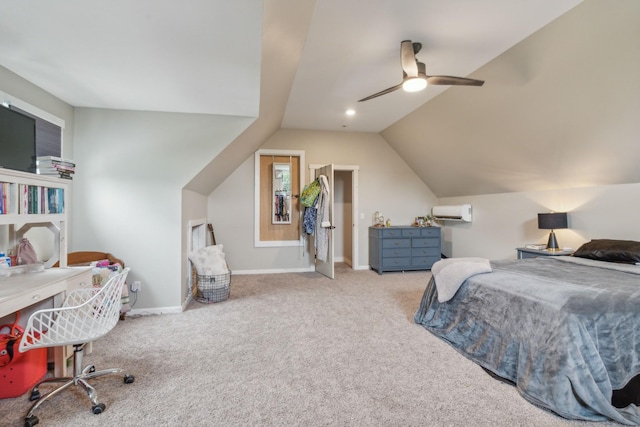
(386,184)
(502,222)
(131,167)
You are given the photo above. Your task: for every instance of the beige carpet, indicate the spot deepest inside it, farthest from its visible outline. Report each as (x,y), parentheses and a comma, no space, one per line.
(291,349)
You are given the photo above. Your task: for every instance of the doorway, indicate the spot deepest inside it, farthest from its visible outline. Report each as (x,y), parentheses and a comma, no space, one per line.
(344,210)
(342,217)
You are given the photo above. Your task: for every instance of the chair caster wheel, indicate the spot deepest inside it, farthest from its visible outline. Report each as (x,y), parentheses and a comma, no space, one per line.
(99,408)
(128,379)
(31,421)
(35,395)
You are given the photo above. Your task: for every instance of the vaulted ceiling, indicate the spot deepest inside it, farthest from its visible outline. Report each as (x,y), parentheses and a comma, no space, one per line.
(558,108)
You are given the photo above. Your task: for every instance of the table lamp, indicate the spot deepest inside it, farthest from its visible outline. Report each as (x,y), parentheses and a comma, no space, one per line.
(552,221)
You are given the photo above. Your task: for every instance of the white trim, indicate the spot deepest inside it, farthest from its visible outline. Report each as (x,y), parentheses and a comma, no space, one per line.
(256,197)
(196,239)
(187,300)
(275,271)
(354,169)
(196,226)
(5,98)
(154,311)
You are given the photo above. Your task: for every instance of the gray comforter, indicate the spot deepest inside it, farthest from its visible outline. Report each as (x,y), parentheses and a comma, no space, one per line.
(565,330)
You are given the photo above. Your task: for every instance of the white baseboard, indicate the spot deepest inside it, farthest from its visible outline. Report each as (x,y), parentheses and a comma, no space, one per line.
(292,270)
(275,271)
(154,311)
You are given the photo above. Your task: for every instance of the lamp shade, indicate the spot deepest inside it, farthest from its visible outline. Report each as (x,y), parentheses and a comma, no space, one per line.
(552,221)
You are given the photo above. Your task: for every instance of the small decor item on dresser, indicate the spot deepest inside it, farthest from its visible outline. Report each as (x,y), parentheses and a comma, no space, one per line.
(428,220)
(378,220)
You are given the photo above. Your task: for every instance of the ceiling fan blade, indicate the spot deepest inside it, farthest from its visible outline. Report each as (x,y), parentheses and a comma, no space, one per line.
(455,81)
(408,58)
(383,92)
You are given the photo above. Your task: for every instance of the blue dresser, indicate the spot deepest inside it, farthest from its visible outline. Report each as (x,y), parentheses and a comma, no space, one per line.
(403,248)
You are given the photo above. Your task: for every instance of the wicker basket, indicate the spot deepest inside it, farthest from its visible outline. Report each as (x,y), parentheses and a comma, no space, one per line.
(210,289)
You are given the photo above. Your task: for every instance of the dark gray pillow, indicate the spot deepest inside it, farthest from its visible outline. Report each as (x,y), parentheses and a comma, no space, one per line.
(626,251)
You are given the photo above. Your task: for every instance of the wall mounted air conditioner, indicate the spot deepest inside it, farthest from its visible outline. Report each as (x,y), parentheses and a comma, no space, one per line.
(452,213)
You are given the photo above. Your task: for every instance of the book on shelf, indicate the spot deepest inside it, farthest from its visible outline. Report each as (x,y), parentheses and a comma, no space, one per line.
(9,198)
(53,159)
(55,166)
(537,246)
(21,199)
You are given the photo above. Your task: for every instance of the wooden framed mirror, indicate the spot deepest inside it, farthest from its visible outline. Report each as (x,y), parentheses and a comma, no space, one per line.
(279,176)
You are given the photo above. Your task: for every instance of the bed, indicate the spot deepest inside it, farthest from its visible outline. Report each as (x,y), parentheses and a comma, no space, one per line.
(564,330)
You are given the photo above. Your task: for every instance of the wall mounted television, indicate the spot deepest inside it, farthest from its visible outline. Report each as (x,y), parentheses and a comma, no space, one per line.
(17,141)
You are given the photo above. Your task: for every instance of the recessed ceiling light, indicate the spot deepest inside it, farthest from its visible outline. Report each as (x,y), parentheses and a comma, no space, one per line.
(350,112)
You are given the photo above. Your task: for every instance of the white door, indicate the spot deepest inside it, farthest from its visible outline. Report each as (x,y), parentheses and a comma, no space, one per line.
(326,267)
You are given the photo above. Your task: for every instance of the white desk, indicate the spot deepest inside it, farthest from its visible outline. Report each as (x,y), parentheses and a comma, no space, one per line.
(23,290)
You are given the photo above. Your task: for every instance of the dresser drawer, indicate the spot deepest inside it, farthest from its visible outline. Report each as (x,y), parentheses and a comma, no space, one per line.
(396,262)
(391,232)
(396,243)
(411,232)
(424,262)
(428,251)
(425,242)
(430,232)
(396,252)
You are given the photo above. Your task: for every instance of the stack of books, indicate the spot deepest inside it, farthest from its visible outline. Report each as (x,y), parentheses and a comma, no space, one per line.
(52,165)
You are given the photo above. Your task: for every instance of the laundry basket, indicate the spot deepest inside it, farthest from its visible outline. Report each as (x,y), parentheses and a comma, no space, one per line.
(210,289)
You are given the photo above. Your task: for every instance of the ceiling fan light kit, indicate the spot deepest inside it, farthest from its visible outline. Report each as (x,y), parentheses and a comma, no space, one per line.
(414,76)
(414,84)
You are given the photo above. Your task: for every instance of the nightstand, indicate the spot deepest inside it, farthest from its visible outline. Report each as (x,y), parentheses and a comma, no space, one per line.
(533,253)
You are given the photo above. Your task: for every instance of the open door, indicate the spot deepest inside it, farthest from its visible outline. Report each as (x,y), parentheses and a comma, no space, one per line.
(326,267)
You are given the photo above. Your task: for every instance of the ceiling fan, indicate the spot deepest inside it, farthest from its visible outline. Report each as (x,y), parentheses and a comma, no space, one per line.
(414,76)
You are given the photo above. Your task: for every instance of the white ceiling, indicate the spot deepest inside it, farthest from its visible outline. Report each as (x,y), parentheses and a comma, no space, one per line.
(200,56)
(203,56)
(353,51)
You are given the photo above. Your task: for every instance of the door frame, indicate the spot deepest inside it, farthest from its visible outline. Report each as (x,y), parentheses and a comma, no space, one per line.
(354,169)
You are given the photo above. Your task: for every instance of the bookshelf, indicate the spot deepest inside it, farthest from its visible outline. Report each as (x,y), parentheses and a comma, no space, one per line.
(29,200)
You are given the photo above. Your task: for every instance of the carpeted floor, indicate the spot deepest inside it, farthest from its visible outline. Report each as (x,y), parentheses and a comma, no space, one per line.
(291,349)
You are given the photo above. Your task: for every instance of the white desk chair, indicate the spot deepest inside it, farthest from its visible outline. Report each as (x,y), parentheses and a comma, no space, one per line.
(85,316)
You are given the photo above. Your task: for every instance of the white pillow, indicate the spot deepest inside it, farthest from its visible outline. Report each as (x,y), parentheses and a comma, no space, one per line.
(209,261)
